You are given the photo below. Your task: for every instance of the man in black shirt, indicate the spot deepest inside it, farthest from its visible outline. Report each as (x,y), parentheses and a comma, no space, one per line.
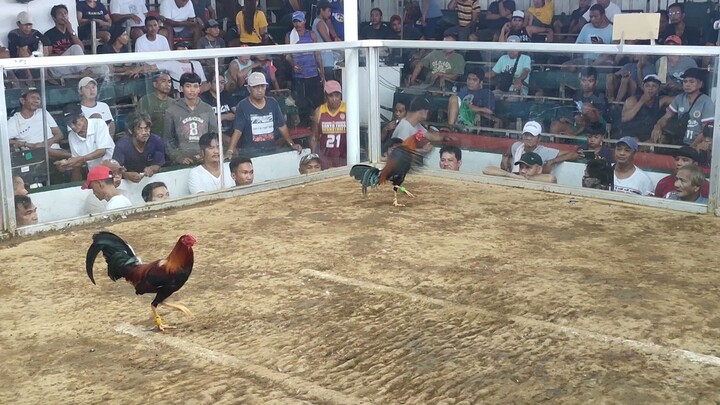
(376,28)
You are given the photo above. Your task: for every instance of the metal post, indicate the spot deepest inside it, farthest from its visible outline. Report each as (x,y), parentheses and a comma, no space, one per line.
(8,198)
(714,201)
(372,65)
(219,123)
(43,99)
(351,85)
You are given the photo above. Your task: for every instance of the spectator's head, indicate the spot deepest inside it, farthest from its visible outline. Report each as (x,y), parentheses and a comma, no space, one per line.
(588,79)
(584,3)
(139,127)
(651,85)
(25,211)
(310,163)
(450,37)
(190,85)
(474,78)
(688,181)
(685,156)
(100,180)
(221,81)
(396,24)
(242,171)
(119,35)
(676,13)
(324,9)
(513,38)
(87,88)
(530,164)
(162,83)
(450,158)
(518,19)
(333,93)
(212,27)
(19,186)
(30,99)
(24,22)
(400,110)
(257,83)
(376,16)
(673,40)
(420,108)
(209,148)
(152,26)
(597,15)
(59,13)
(75,119)
(598,174)
(595,134)
(625,149)
(298,20)
(531,134)
(693,80)
(183,45)
(155,191)
(116,168)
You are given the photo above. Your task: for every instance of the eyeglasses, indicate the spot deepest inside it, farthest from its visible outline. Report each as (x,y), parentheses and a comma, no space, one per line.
(674,13)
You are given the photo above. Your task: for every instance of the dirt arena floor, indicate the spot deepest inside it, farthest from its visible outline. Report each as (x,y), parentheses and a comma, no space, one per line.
(313,294)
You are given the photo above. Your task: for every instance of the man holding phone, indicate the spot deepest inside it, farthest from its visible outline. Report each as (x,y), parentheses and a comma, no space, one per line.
(599,31)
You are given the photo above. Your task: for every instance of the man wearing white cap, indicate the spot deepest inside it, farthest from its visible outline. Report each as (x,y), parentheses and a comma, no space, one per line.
(530,143)
(91,108)
(516,67)
(257,121)
(515,27)
(22,42)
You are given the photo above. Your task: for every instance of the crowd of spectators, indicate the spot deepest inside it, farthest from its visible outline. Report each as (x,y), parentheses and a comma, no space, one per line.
(644,99)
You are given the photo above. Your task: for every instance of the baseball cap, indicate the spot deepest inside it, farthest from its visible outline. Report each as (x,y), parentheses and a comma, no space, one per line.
(695,73)
(85,81)
(112,164)
(652,78)
(673,39)
(24,17)
(256,79)
(332,86)
(530,159)
(513,38)
(99,172)
(533,128)
(308,158)
(298,16)
(629,141)
(72,112)
(211,24)
(687,151)
(518,14)
(29,90)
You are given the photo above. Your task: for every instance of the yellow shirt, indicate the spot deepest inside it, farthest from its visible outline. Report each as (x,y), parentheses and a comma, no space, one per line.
(544,14)
(260,22)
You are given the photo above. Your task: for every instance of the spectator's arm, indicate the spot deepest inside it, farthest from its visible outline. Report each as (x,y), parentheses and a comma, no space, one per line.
(452,5)
(563,156)
(81,21)
(295,4)
(630,109)
(323,30)
(660,125)
(233,143)
(496,171)
(78,161)
(285,133)
(505,162)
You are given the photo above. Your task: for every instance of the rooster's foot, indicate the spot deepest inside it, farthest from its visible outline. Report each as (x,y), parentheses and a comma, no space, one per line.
(179,307)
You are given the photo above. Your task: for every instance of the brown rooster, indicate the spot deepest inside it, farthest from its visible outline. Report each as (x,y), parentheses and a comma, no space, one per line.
(398,165)
(162,277)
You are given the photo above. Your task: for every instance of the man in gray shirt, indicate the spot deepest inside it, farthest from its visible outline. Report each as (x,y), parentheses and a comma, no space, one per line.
(412,123)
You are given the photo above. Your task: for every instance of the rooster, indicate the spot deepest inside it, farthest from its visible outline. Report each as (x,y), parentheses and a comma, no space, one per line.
(398,164)
(162,277)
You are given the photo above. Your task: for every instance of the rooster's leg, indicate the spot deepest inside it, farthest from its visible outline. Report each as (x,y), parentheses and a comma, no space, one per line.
(158,320)
(395,201)
(179,307)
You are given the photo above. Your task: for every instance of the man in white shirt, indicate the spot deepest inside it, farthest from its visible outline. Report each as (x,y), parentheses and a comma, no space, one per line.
(130,13)
(96,206)
(100,180)
(180,15)
(629,178)
(90,141)
(206,177)
(151,41)
(91,108)
(25,127)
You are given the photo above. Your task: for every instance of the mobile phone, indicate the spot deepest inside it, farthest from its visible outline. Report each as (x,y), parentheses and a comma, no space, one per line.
(594,38)
(589,153)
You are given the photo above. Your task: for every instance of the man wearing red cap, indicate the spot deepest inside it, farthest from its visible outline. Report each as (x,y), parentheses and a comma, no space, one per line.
(329,128)
(101,180)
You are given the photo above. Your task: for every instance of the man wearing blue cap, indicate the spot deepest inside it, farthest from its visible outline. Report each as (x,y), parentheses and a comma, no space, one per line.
(629,178)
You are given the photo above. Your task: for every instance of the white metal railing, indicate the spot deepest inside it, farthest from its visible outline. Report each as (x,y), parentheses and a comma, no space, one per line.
(351,87)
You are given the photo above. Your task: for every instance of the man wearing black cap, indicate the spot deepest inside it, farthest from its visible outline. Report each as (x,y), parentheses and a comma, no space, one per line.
(89,138)
(691,106)
(685,156)
(211,39)
(640,114)
(530,168)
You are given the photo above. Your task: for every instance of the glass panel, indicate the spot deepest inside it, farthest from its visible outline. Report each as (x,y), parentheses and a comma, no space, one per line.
(570,110)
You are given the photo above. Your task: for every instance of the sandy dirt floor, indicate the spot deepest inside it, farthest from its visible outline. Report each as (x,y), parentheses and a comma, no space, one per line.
(313,294)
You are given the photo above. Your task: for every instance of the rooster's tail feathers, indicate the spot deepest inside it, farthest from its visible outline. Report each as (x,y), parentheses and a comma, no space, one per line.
(118,255)
(369,176)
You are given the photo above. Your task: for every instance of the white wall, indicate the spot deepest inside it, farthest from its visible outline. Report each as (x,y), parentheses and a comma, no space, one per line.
(38,9)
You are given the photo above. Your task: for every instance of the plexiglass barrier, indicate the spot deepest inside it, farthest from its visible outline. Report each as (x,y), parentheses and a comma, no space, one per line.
(121,122)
